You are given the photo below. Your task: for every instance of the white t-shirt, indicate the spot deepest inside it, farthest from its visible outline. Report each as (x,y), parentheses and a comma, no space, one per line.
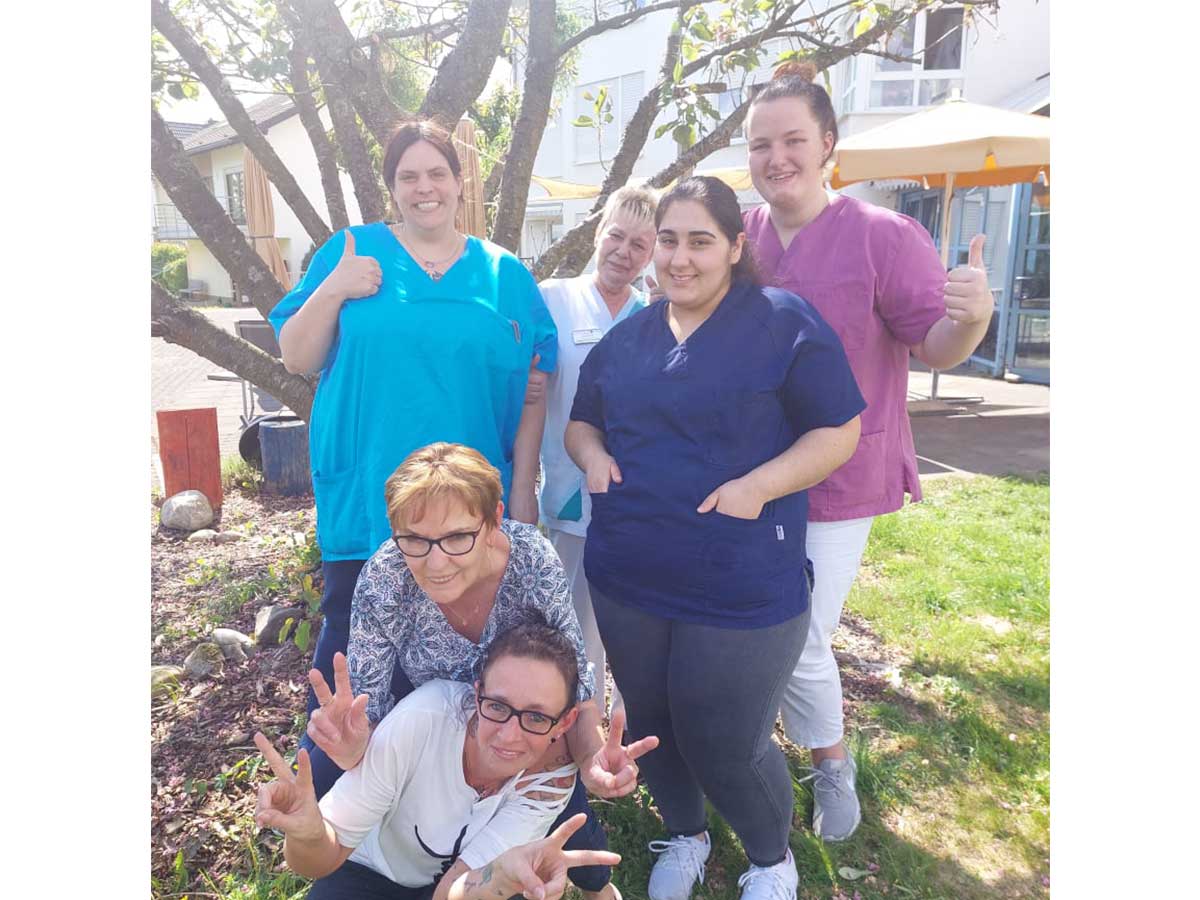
(407,808)
(582,318)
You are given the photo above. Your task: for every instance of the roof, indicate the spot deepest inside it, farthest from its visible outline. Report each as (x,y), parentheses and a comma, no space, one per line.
(184,130)
(264,114)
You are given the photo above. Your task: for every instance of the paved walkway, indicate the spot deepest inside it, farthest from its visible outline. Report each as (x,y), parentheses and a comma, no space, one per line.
(179,380)
(1009,432)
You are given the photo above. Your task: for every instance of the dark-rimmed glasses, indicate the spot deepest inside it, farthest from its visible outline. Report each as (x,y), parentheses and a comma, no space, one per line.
(458,544)
(529,719)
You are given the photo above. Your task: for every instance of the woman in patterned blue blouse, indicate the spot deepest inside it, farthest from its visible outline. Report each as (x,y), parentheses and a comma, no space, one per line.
(455,574)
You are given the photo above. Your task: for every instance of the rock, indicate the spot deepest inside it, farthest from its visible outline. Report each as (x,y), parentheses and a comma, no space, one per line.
(233,644)
(227,537)
(207,659)
(187,510)
(269,621)
(204,534)
(163,679)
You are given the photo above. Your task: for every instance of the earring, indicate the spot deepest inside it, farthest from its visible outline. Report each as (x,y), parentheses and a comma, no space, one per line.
(553,739)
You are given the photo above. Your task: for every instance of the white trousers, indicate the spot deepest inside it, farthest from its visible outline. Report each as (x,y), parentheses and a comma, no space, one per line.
(570,550)
(812,702)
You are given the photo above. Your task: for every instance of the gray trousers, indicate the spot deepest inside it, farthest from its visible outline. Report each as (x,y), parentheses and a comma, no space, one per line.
(711,695)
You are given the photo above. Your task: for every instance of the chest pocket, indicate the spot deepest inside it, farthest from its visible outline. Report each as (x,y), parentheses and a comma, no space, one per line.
(847,306)
(736,423)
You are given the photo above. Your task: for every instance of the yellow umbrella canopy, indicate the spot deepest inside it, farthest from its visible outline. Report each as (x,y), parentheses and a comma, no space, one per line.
(978,145)
(260,217)
(470,219)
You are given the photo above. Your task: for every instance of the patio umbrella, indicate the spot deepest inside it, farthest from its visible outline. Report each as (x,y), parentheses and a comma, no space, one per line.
(954,144)
(470,219)
(260,218)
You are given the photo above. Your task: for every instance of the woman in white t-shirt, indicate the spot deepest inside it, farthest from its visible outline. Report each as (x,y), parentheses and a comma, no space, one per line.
(439,807)
(584,308)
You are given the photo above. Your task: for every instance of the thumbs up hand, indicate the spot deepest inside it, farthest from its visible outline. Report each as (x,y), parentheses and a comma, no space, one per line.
(354,277)
(968,299)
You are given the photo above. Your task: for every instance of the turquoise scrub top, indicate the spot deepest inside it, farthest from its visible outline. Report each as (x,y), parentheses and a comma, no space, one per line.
(417,362)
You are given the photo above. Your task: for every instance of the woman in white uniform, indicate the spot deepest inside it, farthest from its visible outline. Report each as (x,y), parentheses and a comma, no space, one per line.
(584,308)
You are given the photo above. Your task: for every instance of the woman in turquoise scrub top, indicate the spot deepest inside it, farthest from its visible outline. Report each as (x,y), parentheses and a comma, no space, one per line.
(419,334)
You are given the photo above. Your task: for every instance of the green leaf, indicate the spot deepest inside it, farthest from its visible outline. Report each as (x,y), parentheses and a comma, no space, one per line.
(852,874)
(175,90)
(866,21)
(689,51)
(286,629)
(685,135)
(302,636)
(677,74)
(587,95)
(584,122)
(701,31)
(663,129)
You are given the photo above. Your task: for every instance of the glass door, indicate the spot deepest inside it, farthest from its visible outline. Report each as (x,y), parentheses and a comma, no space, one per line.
(1027,331)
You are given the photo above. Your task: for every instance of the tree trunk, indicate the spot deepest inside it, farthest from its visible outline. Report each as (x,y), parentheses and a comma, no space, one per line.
(176,324)
(208,73)
(354,153)
(464,72)
(311,120)
(531,119)
(320,25)
(220,235)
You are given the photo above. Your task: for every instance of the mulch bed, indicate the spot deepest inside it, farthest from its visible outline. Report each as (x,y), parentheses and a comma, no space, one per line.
(207,727)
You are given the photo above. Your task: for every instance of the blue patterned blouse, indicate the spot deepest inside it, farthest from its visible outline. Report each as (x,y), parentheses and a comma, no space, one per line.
(393,619)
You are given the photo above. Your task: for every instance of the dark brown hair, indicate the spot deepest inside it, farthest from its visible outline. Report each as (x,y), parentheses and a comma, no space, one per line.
(795,79)
(408,134)
(722,204)
(535,638)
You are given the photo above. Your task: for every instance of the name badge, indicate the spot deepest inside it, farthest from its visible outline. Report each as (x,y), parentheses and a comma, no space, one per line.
(586,335)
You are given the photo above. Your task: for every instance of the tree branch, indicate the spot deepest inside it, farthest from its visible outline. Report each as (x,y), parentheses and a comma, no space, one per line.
(193,54)
(342,63)
(619,21)
(531,119)
(464,72)
(177,324)
(220,235)
(311,120)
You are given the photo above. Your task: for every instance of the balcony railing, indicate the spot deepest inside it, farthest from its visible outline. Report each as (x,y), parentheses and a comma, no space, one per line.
(170,225)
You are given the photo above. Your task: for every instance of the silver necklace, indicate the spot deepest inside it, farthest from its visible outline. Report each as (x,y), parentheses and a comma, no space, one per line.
(433,267)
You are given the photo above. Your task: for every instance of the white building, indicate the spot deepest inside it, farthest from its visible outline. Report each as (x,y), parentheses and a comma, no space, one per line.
(218,153)
(1006,65)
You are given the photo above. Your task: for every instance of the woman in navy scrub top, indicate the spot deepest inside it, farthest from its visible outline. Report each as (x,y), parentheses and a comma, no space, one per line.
(699,423)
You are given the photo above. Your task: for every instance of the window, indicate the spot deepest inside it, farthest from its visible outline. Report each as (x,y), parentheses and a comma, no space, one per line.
(624,94)
(727,102)
(235,196)
(937,39)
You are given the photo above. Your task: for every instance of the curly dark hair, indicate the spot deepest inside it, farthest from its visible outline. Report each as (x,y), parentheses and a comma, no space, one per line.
(534,638)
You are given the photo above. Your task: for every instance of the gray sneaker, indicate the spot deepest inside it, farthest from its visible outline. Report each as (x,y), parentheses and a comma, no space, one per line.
(836,811)
(680,864)
(777,882)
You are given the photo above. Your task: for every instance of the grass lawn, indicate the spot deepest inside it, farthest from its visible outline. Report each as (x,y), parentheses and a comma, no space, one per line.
(952,742)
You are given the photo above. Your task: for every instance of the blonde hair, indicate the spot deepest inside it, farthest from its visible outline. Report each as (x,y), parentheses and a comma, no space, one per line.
(638,203)
(442,471)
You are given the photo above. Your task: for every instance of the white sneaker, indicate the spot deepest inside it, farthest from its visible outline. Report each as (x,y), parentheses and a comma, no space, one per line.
(777,882)
(680,864)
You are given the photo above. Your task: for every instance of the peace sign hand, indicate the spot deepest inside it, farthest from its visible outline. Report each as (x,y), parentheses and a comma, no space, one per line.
(612,771)
(289,803)
(340,726)
(967,296)
(538,870)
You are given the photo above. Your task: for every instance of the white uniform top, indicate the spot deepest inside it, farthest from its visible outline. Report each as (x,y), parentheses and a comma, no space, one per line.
(407,808)
(581,318)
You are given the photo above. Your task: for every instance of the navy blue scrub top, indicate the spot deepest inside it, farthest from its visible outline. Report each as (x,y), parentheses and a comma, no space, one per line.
(681,419)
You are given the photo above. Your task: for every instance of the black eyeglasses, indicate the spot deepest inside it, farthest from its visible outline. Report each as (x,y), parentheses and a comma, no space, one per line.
(458,544)
(529,719)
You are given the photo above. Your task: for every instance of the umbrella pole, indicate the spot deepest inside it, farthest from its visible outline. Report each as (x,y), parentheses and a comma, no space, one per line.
(947,197)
